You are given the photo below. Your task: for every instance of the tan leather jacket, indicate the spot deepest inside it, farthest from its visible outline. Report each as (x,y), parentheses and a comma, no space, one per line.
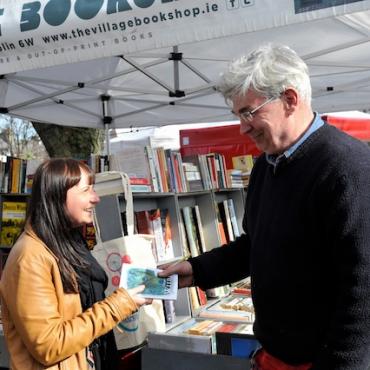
(45,328)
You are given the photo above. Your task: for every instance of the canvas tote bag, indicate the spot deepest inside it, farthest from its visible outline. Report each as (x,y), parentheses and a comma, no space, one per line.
(131,248)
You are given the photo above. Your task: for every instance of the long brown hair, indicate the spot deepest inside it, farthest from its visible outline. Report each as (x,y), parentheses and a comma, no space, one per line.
(48,217)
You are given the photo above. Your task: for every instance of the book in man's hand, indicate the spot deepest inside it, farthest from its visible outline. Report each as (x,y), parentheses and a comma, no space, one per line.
(155,287)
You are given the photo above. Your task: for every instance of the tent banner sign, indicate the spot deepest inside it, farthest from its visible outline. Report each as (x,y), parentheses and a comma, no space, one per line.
(42,33)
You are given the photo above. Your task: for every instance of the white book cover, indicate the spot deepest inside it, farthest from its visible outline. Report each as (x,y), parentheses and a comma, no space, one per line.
(234,223)
(228,220)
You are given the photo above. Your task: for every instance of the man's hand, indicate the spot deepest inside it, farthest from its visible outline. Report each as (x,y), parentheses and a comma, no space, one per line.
(183,269)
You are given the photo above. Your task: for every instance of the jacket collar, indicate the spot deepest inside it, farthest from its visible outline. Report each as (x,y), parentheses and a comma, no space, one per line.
(30,232)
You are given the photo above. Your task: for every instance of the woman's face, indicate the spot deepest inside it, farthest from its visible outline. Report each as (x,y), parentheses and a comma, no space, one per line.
(81,200)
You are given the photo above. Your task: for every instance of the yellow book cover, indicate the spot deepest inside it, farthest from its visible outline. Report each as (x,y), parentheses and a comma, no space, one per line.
(13,218)
(243,162)
(16,172)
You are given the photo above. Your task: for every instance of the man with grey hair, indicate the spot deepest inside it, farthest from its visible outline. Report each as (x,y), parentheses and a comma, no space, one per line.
(306,224)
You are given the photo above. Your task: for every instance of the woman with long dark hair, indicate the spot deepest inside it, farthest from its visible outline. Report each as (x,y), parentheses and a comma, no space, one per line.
(54,312)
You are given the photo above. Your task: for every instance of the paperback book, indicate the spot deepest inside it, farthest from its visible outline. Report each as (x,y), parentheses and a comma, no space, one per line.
(155,287)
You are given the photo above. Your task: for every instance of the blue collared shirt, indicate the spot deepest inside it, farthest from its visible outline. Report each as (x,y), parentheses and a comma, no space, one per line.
(316,124)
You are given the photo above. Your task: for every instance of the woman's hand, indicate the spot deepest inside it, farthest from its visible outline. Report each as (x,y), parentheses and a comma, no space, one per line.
(140,301)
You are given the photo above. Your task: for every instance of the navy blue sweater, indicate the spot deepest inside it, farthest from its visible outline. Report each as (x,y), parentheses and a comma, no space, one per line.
(307,249)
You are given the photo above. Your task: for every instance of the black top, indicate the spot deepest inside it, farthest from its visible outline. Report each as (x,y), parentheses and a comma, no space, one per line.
(307,248)
(92,283)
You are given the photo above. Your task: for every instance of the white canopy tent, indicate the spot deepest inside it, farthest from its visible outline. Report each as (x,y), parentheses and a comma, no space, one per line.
(116,63)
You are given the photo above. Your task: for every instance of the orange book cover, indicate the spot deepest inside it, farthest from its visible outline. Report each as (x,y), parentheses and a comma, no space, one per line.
(143,223)
(16,171)
(163,169)
(202,296)
(212,170)
(221,228)
(177,174)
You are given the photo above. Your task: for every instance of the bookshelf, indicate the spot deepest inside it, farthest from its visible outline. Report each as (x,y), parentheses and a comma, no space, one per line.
(12,216)
(109,216)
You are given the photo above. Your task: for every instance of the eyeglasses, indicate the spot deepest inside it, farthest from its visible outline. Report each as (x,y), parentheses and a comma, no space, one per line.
(248,115)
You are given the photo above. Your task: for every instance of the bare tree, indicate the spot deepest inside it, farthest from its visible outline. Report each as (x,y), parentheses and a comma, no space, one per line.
(75,142)
(24,139)
(19,139)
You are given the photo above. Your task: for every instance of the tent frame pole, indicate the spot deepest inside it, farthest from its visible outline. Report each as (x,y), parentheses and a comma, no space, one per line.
(107,120)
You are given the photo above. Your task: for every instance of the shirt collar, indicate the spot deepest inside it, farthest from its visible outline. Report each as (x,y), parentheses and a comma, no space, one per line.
(315,125)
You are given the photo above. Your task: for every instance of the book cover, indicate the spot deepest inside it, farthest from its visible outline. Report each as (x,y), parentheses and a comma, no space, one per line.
(234,223)
(185,244)
(177,172)
(155,287)
(203,167)
(234,342)
(169,311)
(221,178)
(194,299)
(202,297)
(163,169)
(190,231)
(139,181)
(12,222)
(157,170)
(155,218)
(141,188)
(221,224)
(134,162)
(167,235)
(243,163)
(144,225)
(211,163)
(15,176)
(170,169)
(150,158)
(199,228)
(89,234)
(229,228)
(7,178)
(193,173)
(220,312)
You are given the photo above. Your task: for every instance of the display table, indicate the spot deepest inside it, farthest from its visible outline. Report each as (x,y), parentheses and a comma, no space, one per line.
(154,359)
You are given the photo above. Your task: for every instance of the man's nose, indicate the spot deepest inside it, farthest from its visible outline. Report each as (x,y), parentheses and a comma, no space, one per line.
(244,127)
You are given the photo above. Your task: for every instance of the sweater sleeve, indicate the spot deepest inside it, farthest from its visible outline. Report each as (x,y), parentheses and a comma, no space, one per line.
(36,310)
(222,265)
(346,343)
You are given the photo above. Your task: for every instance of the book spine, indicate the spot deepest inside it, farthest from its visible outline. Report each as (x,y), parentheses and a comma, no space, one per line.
(230,204)
(169,311)
(228,221)
(149,154)
(189,231)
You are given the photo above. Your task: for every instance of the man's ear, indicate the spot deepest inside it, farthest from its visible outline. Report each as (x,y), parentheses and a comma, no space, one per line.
(290,98)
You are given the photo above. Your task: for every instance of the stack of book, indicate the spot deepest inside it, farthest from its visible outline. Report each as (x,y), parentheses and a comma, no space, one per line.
(207,336)
(164,170)
(230,308)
